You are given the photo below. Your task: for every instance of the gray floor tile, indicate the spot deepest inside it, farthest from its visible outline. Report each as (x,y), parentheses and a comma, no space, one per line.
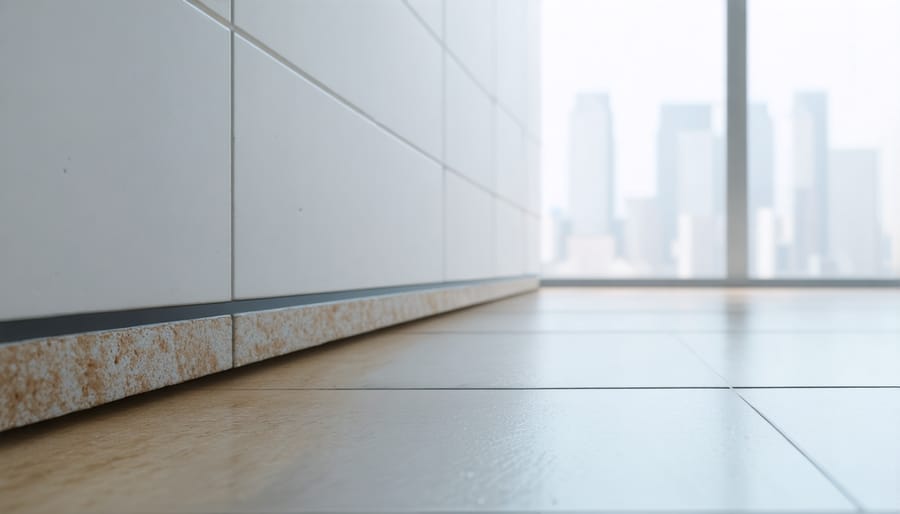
(290,451)
(539,360)
(801,359)
(474,320)
(854,434)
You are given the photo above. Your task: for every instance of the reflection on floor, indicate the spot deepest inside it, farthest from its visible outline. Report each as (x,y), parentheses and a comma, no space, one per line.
(567,399)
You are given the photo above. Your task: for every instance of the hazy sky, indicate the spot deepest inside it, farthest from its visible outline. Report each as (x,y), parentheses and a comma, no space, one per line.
(648,52)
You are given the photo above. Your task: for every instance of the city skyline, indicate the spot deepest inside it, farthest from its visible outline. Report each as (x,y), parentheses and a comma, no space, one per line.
(679,58)
(679,229)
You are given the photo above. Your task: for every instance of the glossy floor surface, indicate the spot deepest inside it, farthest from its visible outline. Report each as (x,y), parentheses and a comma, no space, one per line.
(562,400)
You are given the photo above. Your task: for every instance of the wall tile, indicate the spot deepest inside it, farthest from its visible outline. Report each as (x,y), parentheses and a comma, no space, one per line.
(114,146)
(324,200)
(509,238)
(469,247)
(512,56)
(470,36)
(533,69)
(512,169)
(533,157)
(265,334)
(532,244)
(376,54)
(468,126)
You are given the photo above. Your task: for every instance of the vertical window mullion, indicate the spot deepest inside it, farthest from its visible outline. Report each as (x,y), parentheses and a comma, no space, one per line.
(736,141)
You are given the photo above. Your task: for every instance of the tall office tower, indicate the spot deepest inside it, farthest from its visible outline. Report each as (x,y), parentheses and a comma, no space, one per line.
(643,235)
(695,170)
(674,119)
(761,191)
(591,180)
(855,234)
(697,239)
(810,147)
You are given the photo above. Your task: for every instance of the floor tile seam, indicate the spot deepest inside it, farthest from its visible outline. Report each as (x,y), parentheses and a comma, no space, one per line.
(767,387)
(570,511)
(857,505)
(576,388)
(660,331)
(828,476)
(551,388)
(600,310)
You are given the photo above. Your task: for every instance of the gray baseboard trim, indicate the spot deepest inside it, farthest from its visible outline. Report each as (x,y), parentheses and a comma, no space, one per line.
(31,328)
(53,375)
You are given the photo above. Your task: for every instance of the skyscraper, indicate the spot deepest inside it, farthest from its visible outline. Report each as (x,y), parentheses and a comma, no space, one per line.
(761,161)
(854,232)
(643,241)
(674,120)
(697,248)
(810,182)
(591,173)
(761,186)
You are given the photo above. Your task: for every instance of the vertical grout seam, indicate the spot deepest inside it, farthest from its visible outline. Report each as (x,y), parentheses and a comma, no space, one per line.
(231,45)
(832,480)
(325,89)
(444,201)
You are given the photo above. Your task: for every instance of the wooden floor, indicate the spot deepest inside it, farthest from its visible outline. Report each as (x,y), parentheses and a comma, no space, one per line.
(562,400)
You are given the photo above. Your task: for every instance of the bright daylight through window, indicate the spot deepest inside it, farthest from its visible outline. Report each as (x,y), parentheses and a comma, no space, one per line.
(634,139)
(824,138)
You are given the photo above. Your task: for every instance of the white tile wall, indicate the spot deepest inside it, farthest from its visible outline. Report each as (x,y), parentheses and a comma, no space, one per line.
(509,239)
(114,148)
(512,163)
(469,136)
(533,67)
(470,27)
(324,200)
(375,53)
(533,162)
(512,56)
(468,234)
(532,244)
(114,157)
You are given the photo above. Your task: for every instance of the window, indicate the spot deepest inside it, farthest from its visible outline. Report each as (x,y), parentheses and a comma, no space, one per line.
(635,145)
(633,122)
(823,138)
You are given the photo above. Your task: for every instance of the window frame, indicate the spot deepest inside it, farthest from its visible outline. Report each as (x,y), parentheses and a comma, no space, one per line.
(736,190)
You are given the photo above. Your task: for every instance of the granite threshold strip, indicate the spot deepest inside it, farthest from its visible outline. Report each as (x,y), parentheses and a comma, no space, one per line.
(47,377)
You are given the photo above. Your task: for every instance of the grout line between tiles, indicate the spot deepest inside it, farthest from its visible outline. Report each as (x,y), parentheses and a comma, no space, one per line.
(577,511)
(852,499)
(820,387)
(831,479)
(443,135)
(321,86)
(232,141)
(631,331)
(440,41)
(561,388)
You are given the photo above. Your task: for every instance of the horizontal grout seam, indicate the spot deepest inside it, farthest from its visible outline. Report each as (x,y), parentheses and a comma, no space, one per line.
(287,63)
(475,388)
(495,99)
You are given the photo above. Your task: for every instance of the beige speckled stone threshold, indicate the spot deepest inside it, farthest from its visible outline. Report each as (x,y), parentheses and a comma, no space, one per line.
(264,334)
(49,377)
